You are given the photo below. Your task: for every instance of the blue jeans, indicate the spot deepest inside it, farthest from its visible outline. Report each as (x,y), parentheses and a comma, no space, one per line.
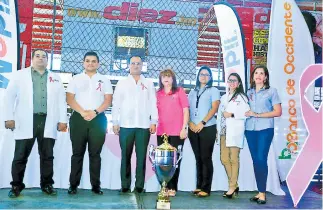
(259,143)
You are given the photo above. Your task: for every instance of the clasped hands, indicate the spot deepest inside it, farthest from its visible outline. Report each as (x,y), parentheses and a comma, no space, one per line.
(196,128)
(88,115)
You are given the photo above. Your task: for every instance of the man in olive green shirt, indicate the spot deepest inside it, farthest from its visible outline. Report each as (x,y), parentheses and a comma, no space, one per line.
(36,103)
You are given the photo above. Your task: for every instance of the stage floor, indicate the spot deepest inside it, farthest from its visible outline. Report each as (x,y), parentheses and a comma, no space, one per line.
(85,199)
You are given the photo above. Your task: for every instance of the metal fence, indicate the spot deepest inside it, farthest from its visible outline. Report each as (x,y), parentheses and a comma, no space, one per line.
(163,32)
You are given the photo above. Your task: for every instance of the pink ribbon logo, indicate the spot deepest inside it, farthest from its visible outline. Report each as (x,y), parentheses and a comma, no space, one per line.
(310,156)
(112,143)
(143,86)
(99,87)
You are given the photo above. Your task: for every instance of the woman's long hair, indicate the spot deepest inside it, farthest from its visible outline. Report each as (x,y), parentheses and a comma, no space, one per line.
(239,89)
(198,83)
(266,84)
(168,73)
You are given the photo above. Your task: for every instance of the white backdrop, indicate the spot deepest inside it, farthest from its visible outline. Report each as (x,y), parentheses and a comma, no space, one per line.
(110,171)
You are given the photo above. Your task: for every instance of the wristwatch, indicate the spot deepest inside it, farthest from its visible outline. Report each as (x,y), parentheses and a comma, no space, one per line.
(203,122)
(96,112)
(232,115)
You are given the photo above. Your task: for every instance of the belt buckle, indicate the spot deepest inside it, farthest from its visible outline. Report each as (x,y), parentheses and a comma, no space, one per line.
(41,114)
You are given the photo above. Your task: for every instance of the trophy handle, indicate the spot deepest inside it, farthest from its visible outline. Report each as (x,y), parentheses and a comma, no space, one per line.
(180,154)
(151,154)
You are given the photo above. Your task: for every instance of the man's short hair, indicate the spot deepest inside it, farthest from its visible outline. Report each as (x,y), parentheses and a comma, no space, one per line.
(310,21)
(135,56)
(35,50)
(91,53)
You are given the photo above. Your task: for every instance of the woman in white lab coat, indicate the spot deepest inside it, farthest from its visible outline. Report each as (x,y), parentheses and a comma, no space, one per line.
(231,127)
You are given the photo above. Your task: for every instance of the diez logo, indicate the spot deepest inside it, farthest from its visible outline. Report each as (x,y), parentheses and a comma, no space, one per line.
(130,12)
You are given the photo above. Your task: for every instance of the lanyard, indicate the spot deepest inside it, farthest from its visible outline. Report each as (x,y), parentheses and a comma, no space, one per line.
(198,97)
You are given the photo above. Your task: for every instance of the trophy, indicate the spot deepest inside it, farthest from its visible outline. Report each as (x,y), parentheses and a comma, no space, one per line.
(164,160)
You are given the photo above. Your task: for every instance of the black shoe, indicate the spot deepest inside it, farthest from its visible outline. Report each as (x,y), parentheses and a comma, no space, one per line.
(124,190)
(139,190)
(235,193)
(259,201)
(49,190)
(14,192)
(97,190)
(72,190)
(254,199)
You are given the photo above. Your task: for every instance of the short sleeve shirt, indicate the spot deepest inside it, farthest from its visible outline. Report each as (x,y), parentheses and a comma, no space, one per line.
(89,92)
(199,108)
(170,112)
(262,102)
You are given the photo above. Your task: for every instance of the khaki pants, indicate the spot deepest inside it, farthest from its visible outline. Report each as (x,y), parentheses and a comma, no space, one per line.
(230,161)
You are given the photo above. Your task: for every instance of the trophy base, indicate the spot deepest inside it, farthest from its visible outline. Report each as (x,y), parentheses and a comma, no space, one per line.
(163,205)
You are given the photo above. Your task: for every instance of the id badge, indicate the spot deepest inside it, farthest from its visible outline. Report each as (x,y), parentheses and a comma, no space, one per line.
(196,113)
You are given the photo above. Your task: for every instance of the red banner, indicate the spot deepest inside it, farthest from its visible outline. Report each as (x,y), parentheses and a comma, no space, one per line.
(25,11)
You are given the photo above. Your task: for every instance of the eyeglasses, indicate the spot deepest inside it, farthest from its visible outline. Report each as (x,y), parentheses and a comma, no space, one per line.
(232,81)
(135,63)
(204,75)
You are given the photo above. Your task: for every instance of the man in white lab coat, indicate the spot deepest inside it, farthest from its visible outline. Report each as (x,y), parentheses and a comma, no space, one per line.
(134,116)
(35,108)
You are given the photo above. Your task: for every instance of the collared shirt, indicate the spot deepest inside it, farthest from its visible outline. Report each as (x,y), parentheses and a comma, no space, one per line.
(200,110)
(39,91)
(170,111)
(262,102)
(134,104)
(89,91)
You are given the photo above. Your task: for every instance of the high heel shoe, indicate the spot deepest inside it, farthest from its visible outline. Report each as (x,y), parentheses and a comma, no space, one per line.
(259,201)
(254,199)
(235,193)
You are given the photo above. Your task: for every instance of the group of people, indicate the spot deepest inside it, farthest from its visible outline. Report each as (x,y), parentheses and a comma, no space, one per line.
(36,108)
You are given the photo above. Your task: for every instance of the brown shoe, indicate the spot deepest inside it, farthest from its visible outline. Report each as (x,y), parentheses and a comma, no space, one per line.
(171,193)
(196,191)
(203,194)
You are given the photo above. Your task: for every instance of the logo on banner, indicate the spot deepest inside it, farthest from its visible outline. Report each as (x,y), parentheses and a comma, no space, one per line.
(6,40)
(231,45)
(289,68)
(112,142)
(310,157)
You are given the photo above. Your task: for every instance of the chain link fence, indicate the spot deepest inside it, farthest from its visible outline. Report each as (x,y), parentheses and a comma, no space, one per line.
(163,32)
(167,41)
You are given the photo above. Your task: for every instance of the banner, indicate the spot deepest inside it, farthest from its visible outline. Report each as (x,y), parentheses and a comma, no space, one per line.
(290,51)
(9,46)
(232,40)
(25,10)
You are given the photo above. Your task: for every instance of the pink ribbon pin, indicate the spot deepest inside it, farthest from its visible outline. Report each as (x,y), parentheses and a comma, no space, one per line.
(99,87)
(143,86)
(51,79)
(310,156)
